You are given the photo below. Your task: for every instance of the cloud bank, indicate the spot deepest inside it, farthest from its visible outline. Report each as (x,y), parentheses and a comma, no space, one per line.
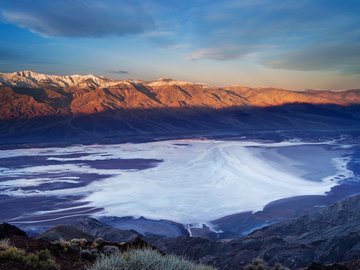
(295,35)
(307,35)
(76,18)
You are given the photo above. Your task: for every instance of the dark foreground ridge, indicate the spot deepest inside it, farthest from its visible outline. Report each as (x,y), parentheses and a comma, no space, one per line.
(18,251)
(328,236)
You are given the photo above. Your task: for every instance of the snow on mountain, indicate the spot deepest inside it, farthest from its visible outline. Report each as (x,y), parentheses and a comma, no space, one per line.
(168,81)
(32,79)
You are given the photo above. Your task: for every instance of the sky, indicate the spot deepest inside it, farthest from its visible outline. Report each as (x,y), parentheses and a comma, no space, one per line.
(261,43)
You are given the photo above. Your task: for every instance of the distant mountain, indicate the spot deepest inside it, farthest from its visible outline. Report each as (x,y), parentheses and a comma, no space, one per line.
(27,94)
(83,105)
(30,79)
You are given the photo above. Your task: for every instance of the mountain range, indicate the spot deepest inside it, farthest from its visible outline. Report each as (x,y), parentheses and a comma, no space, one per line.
(34,105)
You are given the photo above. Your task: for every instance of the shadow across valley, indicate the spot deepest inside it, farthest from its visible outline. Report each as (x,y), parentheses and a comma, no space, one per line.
(146,124)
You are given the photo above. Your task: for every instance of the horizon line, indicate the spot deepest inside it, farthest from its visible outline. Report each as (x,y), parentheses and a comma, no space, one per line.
(163,78)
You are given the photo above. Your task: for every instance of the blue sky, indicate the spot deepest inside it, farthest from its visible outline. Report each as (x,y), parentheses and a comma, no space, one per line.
(291,44)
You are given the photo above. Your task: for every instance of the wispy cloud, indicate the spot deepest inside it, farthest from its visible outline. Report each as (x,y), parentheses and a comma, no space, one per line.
(77,18)
(302,35)
(341,57)
(121,72)
(221,53)
(296,35)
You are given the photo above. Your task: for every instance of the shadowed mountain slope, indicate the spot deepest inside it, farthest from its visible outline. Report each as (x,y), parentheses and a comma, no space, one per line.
(35,106)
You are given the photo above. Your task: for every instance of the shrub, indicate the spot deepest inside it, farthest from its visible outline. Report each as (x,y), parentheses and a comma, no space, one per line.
(79,242)
(144,259)
(5,244)
(259,264)
(38,260)
(64,245)
(74,244)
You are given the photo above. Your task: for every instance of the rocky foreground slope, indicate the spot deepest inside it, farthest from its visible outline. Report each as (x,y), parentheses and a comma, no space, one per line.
(34,105)
(328,235)
(20,252)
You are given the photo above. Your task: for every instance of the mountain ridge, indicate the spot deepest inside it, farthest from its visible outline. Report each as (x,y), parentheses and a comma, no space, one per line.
(39,79)
(27,94)
(32,79)
(64,108)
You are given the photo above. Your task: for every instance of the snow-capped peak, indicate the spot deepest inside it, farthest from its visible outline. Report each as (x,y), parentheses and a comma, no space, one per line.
(31,79)
(169,81)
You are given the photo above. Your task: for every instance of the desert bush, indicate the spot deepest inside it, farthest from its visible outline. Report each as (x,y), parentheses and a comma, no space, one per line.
(74,244)
(64,245)
(89,254)
(38,260)
(79,242)
(5,244)
(110,249)
(259,264)
(279,267)
(144,259)
(97,242)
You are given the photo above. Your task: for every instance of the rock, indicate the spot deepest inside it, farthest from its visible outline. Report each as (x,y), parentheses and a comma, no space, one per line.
(148,227)
(317,266)
(207,259)
(65,232)
(110,249)
(8,230)
(89,255)
(98,229)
